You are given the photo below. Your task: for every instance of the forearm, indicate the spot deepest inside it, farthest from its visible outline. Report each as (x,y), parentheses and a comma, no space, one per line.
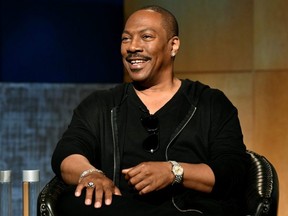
(198,177)
(72,167)
(152,176)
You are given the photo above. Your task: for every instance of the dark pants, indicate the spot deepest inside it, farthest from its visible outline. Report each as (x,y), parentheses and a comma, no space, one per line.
(70,205)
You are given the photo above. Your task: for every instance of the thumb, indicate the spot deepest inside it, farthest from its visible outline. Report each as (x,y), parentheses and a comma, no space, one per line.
(117,191)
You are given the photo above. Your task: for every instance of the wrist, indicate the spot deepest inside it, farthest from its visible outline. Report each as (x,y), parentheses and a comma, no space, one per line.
(178,172)
(88,172)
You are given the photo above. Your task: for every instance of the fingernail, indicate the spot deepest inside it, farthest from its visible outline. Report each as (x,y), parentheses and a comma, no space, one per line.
(97,205)
(87,201)
(108,201)
(77,194)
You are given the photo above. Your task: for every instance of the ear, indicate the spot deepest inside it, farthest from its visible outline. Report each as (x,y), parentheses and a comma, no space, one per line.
(175,42)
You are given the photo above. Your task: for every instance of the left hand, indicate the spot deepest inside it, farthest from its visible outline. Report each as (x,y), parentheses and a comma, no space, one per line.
(149,176)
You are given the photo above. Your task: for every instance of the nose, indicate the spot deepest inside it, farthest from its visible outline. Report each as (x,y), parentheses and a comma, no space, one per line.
(134,46)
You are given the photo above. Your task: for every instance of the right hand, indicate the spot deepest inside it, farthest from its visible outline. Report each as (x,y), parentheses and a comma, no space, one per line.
(104,188)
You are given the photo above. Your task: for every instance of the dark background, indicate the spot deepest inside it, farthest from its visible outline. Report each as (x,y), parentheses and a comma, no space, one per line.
(61,41)
(53,54)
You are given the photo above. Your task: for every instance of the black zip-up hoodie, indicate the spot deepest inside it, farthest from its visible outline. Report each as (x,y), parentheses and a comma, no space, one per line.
(210,132)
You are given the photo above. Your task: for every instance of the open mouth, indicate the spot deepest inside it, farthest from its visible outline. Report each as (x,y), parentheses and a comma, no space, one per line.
(136,62)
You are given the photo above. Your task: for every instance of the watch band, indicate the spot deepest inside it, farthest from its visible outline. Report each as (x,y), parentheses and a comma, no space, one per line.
(178,172)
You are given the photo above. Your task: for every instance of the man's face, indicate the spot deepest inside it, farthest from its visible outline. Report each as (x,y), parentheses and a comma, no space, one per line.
(145,48)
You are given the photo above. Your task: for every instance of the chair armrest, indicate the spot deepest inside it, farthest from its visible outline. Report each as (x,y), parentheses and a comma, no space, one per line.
(262,189)
(47,199)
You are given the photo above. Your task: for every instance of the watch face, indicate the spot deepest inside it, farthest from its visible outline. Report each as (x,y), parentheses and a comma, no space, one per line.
(177,170)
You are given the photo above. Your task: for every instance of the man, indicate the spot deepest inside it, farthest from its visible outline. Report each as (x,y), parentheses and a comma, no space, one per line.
(157,145)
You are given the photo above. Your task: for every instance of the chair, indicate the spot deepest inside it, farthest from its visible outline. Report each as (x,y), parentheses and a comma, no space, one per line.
(261,195)
(262,190)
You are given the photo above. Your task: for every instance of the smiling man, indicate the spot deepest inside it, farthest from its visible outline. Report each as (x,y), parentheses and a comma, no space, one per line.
(156,146)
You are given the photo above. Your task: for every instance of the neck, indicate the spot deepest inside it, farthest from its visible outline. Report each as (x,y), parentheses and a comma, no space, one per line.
(167,86)
(157,96)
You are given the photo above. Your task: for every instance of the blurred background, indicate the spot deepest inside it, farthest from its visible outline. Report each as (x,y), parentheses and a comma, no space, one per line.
(54,53)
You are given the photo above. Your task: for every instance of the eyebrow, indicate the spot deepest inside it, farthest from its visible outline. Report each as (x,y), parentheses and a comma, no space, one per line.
(143,30)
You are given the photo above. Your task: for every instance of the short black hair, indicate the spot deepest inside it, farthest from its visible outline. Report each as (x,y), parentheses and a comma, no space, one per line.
(169,20)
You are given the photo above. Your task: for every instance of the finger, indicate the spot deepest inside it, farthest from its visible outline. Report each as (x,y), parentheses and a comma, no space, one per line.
(137,178)
(145,190)
(98,197)
(89,194)
(131,172)
(108,197)
(125,171)
(139,185)
(78,190)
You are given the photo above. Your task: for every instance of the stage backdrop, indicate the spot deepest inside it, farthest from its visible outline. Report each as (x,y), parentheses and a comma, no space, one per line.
(32,119)
(63,41)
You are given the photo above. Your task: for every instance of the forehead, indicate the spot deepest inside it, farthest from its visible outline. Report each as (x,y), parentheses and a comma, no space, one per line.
(144,19)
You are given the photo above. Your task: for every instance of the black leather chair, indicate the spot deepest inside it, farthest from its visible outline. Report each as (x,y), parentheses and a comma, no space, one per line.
(262,190)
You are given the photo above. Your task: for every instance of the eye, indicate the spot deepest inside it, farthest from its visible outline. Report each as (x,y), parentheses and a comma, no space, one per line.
(147,37)
(125,38)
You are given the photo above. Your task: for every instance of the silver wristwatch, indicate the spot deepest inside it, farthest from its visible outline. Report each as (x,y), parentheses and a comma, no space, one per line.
(178,171)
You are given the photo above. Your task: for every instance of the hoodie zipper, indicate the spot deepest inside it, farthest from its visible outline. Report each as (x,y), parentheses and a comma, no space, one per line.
(179,131)
(113,125)
(115,147)
(166,155)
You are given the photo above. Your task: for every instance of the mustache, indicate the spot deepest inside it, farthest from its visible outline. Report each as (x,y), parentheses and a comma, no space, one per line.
(137,55)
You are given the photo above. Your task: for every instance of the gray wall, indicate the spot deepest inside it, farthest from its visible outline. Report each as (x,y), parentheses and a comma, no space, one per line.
(32,119)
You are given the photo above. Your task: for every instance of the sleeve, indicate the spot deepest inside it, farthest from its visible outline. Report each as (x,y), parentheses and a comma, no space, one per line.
(80,136)
(228,157)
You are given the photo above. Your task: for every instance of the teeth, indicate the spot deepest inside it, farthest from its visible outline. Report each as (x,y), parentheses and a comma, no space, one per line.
(137,61)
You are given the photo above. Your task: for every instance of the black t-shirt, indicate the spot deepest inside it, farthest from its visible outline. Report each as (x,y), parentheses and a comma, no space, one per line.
(169,116)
